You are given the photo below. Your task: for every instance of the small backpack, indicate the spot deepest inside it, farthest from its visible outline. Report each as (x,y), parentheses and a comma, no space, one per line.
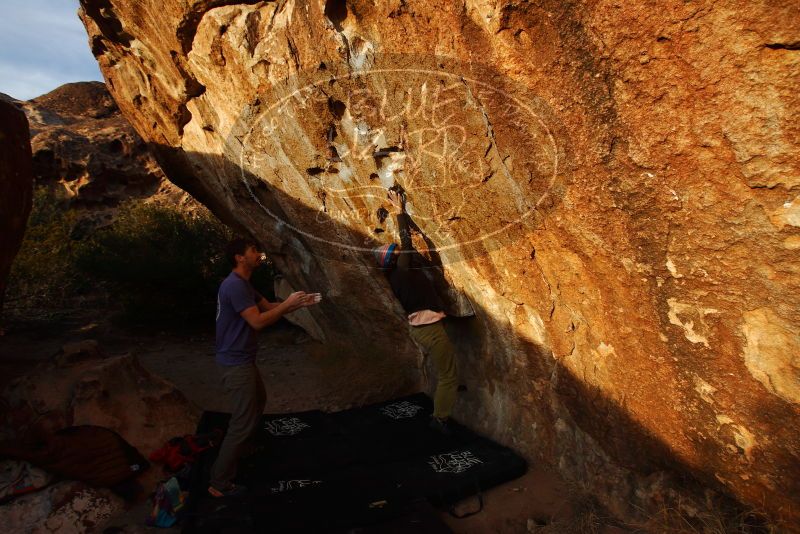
(168,502)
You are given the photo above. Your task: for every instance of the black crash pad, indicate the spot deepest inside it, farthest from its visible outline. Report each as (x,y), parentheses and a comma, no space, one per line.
(373,465)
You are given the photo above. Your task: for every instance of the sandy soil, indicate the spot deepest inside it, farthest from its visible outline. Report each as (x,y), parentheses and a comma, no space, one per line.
(297,378)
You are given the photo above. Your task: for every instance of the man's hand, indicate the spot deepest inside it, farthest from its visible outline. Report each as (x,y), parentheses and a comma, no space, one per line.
(398,201)
(301,299)
(294,301)
(258,318)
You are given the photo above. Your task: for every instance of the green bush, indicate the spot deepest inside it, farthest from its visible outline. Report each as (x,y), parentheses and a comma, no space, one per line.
(43,271)
(161,265)
(154,266)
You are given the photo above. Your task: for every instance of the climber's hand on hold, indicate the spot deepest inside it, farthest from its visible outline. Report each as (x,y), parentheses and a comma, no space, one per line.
(398,201)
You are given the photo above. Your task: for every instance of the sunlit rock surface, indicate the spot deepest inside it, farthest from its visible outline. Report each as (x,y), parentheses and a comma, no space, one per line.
(613,186)
(85,151)
(16,186)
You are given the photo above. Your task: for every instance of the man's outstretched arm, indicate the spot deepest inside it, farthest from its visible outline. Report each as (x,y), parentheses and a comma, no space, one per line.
(261,319)
(406,247)
(265,305)
(399,210)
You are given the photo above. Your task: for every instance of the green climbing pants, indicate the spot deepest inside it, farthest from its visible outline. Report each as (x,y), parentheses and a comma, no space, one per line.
(435,342)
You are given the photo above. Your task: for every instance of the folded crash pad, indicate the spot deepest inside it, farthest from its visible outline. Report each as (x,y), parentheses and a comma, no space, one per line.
(92,454)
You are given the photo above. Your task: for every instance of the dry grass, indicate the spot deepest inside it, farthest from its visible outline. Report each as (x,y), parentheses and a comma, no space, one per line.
(723,520)
(589,517)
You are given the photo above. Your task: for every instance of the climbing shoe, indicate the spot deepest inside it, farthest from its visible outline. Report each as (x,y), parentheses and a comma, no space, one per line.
(231,490)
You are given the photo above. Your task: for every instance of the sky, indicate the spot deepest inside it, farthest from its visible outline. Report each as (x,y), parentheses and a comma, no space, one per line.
(42,46)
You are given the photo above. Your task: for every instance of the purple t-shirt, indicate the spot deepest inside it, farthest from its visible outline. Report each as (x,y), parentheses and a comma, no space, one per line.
(236,339)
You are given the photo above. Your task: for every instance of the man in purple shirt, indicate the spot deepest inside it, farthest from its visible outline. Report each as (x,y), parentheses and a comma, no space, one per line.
(241,312)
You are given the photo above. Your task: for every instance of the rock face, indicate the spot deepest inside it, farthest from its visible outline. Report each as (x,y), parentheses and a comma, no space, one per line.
(16,187)
(83,386)
(86,150)
(613,186)
(67,506)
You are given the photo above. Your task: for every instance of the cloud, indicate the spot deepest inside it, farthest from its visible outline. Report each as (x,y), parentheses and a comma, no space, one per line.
(43,45)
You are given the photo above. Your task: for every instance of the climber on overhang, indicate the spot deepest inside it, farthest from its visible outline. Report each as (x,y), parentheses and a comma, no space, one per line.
(424,310)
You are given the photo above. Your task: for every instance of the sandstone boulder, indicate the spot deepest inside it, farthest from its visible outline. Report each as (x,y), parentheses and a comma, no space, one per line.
(613,186)
(16,187)
(81,385)
(66,506)
(86,151)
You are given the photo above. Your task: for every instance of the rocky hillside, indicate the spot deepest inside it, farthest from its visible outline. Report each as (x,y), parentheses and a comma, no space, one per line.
(614,186)
(87,152)
(90,169)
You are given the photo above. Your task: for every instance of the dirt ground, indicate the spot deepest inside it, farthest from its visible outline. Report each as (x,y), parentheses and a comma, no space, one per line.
(292,366)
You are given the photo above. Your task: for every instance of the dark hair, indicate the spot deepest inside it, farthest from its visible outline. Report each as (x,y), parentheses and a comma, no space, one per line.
(237,246)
